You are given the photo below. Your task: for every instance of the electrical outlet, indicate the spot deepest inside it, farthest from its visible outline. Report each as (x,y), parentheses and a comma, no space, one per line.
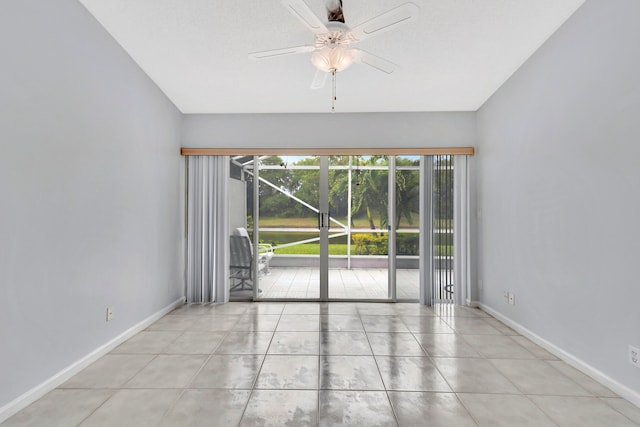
(512,298)
(109,313)
(506,296)
(634,356)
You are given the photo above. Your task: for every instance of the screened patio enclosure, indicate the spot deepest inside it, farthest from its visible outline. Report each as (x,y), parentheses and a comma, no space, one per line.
(344,227)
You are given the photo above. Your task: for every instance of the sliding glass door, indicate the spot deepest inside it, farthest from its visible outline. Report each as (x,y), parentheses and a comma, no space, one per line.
(326,222)
(343,228)
(287,223)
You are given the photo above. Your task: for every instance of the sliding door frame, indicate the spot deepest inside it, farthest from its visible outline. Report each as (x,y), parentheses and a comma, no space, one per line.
(324,219)
(391,243)
(426,225)
(323,207)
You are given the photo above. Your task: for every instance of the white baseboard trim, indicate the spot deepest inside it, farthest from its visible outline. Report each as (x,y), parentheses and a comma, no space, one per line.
(45,387)
(622,390)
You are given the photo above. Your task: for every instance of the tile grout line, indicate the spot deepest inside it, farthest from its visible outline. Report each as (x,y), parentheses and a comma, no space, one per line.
(455,393)
(253,386)
(193,377)
(614,408)
(386,391)
(116,390)
(444,378)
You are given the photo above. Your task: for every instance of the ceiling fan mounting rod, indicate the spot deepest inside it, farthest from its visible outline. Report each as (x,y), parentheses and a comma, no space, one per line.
(334,11)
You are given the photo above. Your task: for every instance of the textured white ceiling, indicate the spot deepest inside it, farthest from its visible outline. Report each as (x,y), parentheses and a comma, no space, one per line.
(452,58)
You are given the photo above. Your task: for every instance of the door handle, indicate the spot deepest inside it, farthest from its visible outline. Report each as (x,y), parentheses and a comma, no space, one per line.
(324,220)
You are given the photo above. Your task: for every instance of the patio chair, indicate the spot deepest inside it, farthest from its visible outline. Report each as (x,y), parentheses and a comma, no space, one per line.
(241,260)
(265,250)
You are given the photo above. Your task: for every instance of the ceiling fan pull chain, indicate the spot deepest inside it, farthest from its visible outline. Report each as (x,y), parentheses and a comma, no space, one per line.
(333,94)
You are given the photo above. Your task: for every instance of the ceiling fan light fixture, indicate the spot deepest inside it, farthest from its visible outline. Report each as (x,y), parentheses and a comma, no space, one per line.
(332,58)
(331,52)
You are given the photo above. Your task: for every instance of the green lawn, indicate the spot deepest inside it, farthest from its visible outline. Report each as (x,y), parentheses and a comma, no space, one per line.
(407,243)
(312,249)
(339,249)
(289,222)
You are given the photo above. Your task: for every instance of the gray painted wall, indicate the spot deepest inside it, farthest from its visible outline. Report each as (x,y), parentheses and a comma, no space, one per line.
(237,204)
(329,130)
(91,196)
(558,190)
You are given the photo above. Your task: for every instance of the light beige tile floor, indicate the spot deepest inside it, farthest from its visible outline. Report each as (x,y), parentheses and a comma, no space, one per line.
(329,364)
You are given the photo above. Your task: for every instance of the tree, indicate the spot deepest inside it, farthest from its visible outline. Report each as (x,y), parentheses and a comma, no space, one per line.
(370,190)
(407,195)
(276,203)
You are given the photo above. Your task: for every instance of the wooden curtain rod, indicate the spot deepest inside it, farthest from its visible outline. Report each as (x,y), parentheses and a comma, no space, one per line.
(326,151)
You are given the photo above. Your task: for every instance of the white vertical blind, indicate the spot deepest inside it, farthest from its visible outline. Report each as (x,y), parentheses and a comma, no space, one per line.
(461,264)
(426,230)
(208,229)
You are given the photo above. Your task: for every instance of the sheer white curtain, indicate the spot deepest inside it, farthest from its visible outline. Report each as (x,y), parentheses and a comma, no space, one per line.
(461,257)
(208,229)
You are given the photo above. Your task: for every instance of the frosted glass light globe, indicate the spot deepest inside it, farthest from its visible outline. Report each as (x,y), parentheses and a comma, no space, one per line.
(331,58)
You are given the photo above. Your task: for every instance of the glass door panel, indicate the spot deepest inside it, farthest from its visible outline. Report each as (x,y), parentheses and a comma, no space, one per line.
(366,275)
(288,225)
(407,227)
(338,194)
(241,274)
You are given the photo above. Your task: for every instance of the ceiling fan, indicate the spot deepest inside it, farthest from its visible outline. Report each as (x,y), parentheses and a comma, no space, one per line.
(332,50)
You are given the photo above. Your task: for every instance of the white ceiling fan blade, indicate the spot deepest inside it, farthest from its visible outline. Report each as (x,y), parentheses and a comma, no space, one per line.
(319,79)
(373,61)
(387,21)
(300,10)
(265,54)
